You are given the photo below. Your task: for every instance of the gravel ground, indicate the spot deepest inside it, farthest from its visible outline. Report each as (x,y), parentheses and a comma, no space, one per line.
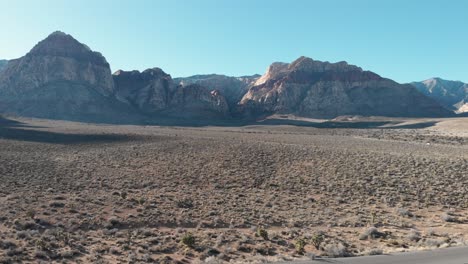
(73,192)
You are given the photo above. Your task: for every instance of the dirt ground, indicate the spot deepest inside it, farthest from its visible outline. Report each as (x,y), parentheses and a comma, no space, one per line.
(83,193)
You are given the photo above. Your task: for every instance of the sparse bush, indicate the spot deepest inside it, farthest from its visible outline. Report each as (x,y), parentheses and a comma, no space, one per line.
(404,212)
(188,240)
(433,242)
(113,221)
(373,252)
(447,217)
(414,235)
(22,235)
(185,203)
(336,250)
(317,240)
(5,244)
(300,246)
(56,204)
(114,251)
(31,214)
(371,232)
(40,254)
(262,233)
(430,232)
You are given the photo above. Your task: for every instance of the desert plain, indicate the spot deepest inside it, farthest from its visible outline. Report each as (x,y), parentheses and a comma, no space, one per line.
(91,193)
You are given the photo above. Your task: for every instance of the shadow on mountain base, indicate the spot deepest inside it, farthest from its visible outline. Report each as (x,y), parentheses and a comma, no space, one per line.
(348,124)
(14,130)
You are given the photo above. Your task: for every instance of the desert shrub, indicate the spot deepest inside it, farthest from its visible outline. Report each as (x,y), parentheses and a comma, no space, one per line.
(5,244)
(373,252)
(447,217)
(336,250)
(317,240)
(404,212)
(185,203)
(371,232)
(430,232)
(115,251)
(299,245)
(262,233)
(433,242)
(31,214)
(56,204)
(373,217)
(40,254)
(414,235)
(22,234)
(113,222)
(188,240)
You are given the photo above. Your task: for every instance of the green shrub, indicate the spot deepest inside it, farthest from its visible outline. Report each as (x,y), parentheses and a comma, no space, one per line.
(262,233)
(317,241)
(300,246)
(188,240)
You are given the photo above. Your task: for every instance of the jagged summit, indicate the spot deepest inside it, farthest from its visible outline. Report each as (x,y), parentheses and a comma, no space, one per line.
(307,64)
(64,45)
(452,95)
(317,89)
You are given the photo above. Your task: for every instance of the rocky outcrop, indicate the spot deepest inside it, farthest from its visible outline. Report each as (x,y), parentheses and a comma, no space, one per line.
(61,78)
(232,88)
(195,101)
(318,89)
(451,94)
(154,92)
(59,57)
(149,91)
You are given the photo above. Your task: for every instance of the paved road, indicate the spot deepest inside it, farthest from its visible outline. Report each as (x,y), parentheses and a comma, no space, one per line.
(441,256)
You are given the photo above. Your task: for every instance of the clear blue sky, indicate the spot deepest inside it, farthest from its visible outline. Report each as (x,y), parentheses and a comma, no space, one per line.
(404,40)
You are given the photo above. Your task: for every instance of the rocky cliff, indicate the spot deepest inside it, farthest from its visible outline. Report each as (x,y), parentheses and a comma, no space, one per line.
(451,94)
(232,88)
(61,78)
(149,91)
(154,92)
(311,88)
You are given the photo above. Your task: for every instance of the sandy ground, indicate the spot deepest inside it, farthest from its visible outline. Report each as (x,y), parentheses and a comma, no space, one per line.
(72,192)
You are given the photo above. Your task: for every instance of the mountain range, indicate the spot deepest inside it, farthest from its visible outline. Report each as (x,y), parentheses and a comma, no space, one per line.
(61,78)
(453,95)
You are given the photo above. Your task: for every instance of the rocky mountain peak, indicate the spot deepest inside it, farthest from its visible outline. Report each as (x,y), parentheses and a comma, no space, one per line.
(312,88)
(451,94)
(60,44)
(307,64)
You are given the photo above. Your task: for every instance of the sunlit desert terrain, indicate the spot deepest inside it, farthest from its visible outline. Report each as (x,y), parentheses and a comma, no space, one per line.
(110,194)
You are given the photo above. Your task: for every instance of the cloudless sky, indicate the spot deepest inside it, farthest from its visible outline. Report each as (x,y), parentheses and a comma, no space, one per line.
(406,40)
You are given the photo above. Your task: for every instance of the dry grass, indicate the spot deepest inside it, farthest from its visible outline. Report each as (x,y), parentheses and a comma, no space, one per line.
(136,195)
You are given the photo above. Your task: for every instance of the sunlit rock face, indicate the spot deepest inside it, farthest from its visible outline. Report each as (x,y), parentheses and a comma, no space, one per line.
(451,94)
(61,78)
(311,88)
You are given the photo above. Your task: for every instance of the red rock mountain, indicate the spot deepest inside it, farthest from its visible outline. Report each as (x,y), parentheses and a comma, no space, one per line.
(311,88)
(61,78)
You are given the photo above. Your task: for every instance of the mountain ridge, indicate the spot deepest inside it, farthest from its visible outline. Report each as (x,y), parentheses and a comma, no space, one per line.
(60,69)
(451,94)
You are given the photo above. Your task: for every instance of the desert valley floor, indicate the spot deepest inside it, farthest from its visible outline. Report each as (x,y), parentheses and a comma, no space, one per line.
(72,192)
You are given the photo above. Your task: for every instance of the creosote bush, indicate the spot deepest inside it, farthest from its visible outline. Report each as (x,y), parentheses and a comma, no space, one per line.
(317,240)
(262,233)
(188,240)
(299,245)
